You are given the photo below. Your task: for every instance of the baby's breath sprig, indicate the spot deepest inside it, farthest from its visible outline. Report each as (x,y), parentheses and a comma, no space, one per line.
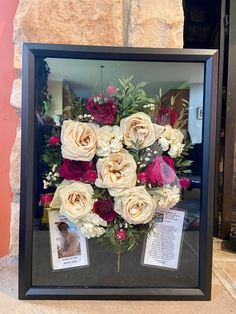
(85,118)
(51,178)
(150,107)
(146,157)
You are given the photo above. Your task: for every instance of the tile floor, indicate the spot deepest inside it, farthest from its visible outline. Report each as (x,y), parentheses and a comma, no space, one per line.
(223,294)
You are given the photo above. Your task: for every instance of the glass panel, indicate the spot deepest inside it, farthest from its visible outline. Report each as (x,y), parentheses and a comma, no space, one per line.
(142,167)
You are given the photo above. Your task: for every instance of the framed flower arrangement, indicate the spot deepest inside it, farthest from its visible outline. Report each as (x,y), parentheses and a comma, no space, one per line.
(117,173)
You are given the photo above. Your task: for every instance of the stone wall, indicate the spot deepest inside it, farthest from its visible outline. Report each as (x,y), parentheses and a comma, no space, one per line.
(136,23)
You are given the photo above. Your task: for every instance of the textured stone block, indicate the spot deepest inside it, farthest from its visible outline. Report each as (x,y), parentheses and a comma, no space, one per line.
(15,163)
(16,95)
(81,22)
(155,23)
(14,235)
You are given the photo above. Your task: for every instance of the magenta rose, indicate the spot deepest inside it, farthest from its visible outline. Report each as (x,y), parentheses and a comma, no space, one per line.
(54,140)
(184,182)
(166,116)
(102,112)
(77,170)
(161,171)
(105,209)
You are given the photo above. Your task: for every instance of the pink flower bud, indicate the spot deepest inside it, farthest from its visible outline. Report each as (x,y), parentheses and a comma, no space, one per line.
(184,182)
(54,140)
(121,234)
(111,89)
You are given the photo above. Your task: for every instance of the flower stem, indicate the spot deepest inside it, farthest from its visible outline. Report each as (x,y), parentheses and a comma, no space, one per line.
(118,262)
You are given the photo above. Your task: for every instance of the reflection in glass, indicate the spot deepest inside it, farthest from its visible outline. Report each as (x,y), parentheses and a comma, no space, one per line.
(178,89)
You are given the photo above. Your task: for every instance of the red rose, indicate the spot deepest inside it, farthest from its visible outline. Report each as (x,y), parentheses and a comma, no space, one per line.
(46,199)
(76,170)
(161,171)
(184,182)
(54,140)
(142,177)
(166,116)
(90,176)
(102,112)
(105,209)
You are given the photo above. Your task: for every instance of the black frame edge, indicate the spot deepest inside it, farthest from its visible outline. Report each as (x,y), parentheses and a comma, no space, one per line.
(30,51)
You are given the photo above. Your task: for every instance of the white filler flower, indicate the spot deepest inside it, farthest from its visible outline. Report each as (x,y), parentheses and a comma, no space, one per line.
(167,197)
(109,140)
(91,226)
(171,140)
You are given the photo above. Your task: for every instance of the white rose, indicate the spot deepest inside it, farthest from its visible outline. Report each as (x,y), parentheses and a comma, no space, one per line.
(74,199)
(136,205)
(167,197)
(109,140)
(171,139)
(139,127)
(116,172)
(79,140)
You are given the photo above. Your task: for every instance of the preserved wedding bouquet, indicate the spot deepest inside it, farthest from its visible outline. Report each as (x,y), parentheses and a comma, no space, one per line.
(117,158)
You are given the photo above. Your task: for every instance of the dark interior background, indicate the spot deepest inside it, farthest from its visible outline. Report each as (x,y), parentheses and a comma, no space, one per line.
(211,25)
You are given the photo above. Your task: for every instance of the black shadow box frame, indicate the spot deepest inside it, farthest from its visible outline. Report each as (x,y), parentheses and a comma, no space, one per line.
(30,54)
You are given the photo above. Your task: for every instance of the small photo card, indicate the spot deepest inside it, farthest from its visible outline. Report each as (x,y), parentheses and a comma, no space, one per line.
(163,243)
(68,246)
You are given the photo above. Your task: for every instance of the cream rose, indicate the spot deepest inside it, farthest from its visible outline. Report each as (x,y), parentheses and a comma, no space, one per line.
(136,205)
(74,199)
(79,140)
(139,127)
(116,172)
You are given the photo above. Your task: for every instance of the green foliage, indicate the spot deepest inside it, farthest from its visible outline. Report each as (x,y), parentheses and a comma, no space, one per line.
(52,154)
(159,100)
(101,194)
(44,98)
(156,192)
(130,98)
(181,163)
(74,106)
(133,235)
(183,115)
(135,151)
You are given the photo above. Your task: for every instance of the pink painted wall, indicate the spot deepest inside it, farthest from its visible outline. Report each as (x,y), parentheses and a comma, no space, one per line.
(8,117)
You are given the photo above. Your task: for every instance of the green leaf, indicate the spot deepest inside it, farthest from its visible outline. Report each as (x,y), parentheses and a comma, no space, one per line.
(142,84)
